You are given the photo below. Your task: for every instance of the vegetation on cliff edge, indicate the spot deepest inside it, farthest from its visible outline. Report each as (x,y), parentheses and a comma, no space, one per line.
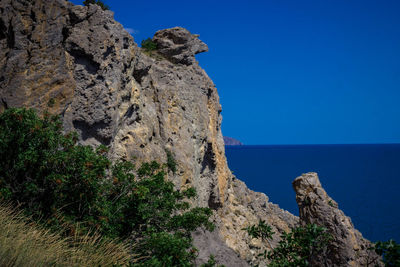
(96,2)
(296,248)
(62,184)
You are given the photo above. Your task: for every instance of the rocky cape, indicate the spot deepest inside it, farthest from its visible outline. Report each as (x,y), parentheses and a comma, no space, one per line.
(80,63)
(229,141)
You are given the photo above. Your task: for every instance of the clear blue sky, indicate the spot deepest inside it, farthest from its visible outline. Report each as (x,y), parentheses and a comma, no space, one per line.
(292,71)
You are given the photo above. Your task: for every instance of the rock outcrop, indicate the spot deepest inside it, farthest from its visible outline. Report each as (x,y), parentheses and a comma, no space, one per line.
(80,63)
(348,247)
(179,45)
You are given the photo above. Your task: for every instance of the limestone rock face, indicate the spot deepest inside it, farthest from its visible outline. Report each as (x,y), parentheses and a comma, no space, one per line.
(348,247)
(34,66)
(179,45)
(74,56)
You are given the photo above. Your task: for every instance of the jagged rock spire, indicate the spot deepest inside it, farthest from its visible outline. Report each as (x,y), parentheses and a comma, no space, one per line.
(348,247)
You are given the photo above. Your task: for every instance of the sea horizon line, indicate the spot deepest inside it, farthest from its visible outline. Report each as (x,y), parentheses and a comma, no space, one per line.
(342,144)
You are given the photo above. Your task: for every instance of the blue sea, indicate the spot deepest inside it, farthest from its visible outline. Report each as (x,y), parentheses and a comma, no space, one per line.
(363,179)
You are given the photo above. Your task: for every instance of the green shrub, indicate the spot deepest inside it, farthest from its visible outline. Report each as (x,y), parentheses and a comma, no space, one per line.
(51,102)
(300,246)
(211,262)
(47,173)
(262,230)
(63,184)
(171,163)
(296,248)
(390,252)
(96,2)
(149,45)
(162,220)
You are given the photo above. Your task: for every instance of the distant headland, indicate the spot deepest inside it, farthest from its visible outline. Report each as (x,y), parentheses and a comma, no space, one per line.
(229,141)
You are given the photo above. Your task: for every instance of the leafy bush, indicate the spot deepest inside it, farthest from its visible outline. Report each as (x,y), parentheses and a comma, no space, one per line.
(96,2)
(162,221)
(47,173)
(262,230)
(61,183)
(149,45)
(300,246)
(296,248)
(390,252)
(211,262)
(171,163)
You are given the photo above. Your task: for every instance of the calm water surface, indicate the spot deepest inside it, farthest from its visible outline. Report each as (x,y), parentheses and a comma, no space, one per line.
(363,179)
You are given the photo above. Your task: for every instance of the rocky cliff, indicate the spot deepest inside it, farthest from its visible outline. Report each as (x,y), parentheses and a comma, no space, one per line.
(80,63)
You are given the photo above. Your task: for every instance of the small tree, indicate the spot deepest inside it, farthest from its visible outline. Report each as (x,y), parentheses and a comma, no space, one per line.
(171,163)
(390,252)
(159,217)
(96,2)
(296,248)
(149,45)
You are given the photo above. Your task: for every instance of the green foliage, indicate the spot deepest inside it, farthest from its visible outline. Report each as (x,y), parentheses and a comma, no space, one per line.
(96,2)
(47,173)
(163,220)
(171,163)
(51,102)
(390,252)
(262,230)
(211,262)
(296,248)
(300,246)
(61,183)
(149,45)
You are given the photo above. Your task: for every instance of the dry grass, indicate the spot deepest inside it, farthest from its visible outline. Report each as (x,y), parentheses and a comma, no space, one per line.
(26,244)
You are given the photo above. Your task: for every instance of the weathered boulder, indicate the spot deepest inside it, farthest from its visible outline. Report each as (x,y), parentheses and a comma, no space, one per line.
(348,247)
(179,45)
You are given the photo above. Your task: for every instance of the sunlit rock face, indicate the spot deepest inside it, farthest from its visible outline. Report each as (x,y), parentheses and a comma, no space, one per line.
(348,247)
(80,63)
(179,45)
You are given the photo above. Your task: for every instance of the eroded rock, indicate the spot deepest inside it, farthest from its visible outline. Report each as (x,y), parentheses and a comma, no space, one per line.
(348,247)
(179,45)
